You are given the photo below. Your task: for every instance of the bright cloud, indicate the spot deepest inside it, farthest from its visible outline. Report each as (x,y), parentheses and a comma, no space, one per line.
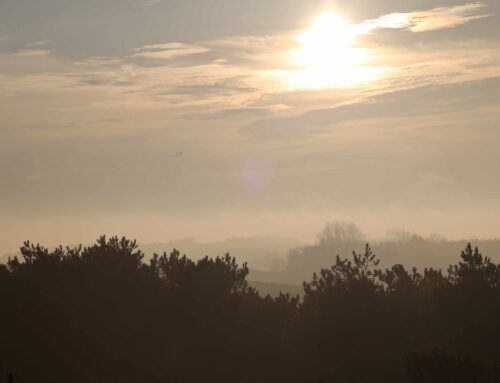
(430,20)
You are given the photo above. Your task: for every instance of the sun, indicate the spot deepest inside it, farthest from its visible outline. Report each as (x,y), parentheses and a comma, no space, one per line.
(326,41)
(327,55)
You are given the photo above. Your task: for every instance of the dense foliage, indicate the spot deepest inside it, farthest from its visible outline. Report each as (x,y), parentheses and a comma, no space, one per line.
(103,314)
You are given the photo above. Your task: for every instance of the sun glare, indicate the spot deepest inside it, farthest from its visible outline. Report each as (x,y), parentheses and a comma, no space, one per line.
(326,41)
(327,55)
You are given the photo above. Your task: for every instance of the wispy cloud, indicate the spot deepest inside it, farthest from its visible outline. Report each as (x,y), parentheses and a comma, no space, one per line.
(411,102)
(34,49)
(430,20)
(40,43)
(238,77)
(168,51)
(33,52)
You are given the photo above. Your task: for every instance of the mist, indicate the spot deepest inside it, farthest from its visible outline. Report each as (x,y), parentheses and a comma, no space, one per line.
(295,191)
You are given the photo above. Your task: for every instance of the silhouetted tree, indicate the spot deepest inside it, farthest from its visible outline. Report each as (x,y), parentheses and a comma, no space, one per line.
(102,314)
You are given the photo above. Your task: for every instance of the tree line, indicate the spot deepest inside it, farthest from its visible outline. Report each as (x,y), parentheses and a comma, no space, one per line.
(102,313)
(398,246)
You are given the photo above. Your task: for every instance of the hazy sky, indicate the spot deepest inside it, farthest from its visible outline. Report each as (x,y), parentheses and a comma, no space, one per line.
(165,118)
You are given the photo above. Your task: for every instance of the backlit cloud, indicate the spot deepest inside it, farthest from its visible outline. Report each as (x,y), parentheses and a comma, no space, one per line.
(430,20)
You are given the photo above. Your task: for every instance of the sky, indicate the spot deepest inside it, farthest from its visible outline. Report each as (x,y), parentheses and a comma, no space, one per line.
(160,119)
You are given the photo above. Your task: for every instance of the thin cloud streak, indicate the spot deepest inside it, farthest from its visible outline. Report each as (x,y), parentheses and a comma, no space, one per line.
(168,51)
(430,20)
(33,52)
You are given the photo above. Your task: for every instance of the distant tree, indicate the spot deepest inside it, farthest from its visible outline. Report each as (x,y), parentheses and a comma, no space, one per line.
(436,237)
(338,232)
(400,235)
